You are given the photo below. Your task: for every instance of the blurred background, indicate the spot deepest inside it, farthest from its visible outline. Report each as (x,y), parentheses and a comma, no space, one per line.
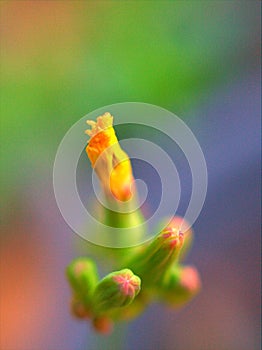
(61,60)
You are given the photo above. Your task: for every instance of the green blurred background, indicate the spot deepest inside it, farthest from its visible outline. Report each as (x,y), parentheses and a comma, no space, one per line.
(62,59)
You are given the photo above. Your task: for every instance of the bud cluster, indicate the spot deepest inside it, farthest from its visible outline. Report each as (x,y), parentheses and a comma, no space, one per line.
(154,273)
(97,299)
(151,272)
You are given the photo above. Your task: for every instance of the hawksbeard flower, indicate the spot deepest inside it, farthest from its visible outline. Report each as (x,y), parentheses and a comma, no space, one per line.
(110,162)
(149,272)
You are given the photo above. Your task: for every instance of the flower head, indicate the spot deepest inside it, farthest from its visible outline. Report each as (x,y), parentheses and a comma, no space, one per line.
(110,162)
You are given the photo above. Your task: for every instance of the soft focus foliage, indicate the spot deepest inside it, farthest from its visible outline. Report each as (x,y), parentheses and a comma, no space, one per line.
(61,60)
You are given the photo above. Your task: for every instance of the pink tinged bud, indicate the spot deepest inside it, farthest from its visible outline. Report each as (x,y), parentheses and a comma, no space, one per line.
(187,230)
(190,280)
(128,283)
(173,238)
(152,263)
(180,285)
(116,290)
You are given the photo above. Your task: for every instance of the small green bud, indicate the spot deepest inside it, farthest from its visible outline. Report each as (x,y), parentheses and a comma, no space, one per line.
(180,285)
(116,290)
(82,276)
(152,262)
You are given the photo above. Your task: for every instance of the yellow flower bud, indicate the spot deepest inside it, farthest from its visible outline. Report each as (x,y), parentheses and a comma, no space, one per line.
(110,162)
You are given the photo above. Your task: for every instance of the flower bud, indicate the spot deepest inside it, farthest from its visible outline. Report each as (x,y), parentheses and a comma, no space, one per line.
(180,285)
(111,163)
(116,290)
(188,233)
(114,170)
(82,276)
(182,225)
(152,263)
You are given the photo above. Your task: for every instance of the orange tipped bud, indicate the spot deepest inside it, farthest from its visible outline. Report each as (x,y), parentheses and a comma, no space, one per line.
(110,162)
